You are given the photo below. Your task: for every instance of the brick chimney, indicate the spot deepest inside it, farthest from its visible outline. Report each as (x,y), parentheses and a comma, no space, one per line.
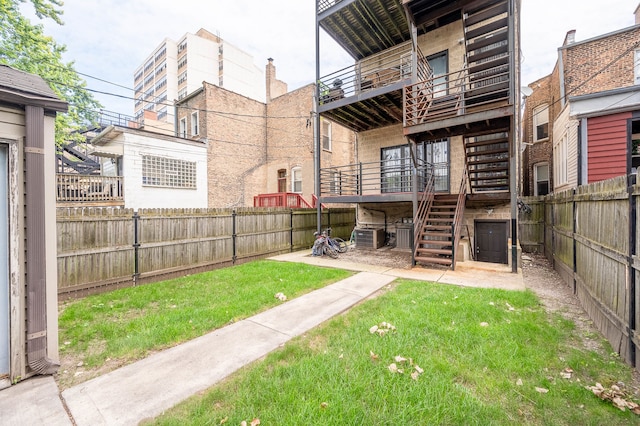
(570,38)
(275,87)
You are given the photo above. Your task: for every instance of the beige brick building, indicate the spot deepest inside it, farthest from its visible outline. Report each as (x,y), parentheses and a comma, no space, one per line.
(259,148)
(433,97)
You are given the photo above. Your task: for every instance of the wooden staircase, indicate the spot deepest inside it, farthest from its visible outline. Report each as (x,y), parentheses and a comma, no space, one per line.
(487,158)
(487,52)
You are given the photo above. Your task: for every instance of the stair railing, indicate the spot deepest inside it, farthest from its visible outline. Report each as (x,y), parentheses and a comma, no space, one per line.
(456,227)
(426,201)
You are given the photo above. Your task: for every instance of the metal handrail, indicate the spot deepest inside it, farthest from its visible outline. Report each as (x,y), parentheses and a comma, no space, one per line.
(456,227)
(382,69)
(426,201)
(385,176)
(451,94)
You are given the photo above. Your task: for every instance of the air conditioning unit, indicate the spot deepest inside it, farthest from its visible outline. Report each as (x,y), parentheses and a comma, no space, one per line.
(404,236)
(369,238)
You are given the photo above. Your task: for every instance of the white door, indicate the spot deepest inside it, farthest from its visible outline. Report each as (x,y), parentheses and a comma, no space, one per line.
(4,262)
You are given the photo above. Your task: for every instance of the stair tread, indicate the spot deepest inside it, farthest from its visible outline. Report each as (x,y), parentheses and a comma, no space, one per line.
(486,142)
(427,259)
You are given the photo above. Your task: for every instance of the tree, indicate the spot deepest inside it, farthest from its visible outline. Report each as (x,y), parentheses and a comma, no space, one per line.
(24,46)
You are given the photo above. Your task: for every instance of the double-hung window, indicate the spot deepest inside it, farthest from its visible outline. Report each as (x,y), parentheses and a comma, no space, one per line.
(541,122)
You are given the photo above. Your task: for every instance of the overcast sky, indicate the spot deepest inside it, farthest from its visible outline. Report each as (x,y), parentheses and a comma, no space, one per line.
(110,38)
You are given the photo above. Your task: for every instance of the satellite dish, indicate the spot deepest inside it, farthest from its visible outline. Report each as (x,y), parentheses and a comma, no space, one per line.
(526,91)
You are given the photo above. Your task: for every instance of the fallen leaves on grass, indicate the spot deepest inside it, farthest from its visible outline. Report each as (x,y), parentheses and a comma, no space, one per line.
(616,396)
(416,371)
(382,328)
(542,390)
(566,373)
(280,296)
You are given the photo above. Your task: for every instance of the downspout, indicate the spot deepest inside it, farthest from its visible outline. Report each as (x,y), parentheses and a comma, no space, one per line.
(36,245)
(512,136)
(316,126)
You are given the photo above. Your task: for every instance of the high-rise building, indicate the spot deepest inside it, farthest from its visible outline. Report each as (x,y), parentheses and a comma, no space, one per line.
(175,69)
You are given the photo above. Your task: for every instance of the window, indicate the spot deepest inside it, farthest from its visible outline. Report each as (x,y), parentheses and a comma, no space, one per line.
(397,166)
(162,113)
(161,67)
(148,65)
(138,76)
(182,131)
(161,53)
(439,66)
(296,179)
(182,46)
(326,135)
(182,78)
(541,178)
(282,180)
(148,80)
(182,93)
(194,123)
(636,66)
(182,62)
(162,97)
(560,160)
(138,88)
(160,84)
(541,122)
(168,172)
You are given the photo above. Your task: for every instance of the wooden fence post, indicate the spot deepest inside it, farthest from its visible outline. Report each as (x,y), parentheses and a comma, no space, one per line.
(573,239)
(136,246)
(234,255)
(290,230)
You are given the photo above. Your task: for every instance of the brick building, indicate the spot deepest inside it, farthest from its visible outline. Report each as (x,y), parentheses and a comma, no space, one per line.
(582,119)
(257,148)
(433,96)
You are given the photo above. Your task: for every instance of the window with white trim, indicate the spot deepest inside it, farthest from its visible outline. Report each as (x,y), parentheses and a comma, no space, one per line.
(296,179)
(326,135)
(560,150)
(541,122)
(194,123)
(182,131)
(541,178)
(168,172)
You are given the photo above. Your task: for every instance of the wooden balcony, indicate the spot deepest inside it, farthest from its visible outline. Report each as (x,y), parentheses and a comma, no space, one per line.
(89,190)
(281,199)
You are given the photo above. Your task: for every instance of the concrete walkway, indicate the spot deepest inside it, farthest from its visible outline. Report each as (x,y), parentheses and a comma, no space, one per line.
(467,274)
(150,386)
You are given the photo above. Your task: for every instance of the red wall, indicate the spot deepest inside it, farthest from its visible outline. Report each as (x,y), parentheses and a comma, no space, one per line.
(607,146)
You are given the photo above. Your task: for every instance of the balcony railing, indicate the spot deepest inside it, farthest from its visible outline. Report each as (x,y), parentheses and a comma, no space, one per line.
(89,188)
(382,177)
(281,199)
(326,4)
(456,93)
(388,67)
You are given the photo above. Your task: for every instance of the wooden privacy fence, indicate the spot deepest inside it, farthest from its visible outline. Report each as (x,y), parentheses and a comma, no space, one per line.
(591,236)
(102,249)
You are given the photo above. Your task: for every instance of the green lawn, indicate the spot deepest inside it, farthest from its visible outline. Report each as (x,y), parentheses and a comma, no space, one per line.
(127,324)
(460,356)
